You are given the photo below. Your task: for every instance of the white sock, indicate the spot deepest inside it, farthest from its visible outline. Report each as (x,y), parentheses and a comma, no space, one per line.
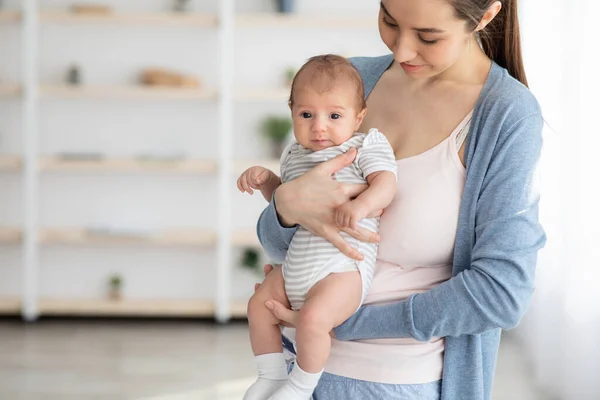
(272,374)
(300,385)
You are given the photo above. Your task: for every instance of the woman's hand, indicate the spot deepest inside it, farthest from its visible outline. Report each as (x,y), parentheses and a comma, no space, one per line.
(287,317)
(311,201)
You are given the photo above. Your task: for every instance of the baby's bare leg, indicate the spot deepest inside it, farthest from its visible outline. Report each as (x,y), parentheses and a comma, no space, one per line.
(265,336)
(329,303)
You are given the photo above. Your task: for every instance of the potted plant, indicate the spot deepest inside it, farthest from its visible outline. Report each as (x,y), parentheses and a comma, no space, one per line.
(285,6)
(250,259)
(290,72)
(277,130)
(181,5)
(115,287)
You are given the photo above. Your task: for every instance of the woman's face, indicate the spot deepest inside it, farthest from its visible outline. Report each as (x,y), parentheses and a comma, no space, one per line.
(425,36)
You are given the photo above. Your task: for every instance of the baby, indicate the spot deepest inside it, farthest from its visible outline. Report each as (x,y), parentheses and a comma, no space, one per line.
(327,287)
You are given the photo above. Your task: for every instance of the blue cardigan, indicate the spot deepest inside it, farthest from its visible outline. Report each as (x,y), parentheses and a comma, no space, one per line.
(497,242)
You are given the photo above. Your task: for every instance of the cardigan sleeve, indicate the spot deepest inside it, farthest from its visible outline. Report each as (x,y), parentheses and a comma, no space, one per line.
(495,289)
(274,237)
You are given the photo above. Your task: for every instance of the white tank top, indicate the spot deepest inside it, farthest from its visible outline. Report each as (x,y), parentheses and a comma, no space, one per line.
(418,231)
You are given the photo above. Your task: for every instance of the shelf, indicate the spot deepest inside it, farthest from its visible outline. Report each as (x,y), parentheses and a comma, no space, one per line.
(9,90)
(245,238)
(271,94)
(164,19)
(10,163)
(242,165)
(127,92)
(10,306)
(10,235)
(83,236)
(270,20)
(55,163)
(127,307)
(9,16)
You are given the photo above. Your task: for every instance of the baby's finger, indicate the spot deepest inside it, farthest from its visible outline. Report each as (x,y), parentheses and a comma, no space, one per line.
(246,186)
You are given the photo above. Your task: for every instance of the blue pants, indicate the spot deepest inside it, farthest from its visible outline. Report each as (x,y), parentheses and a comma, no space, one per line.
(334,387)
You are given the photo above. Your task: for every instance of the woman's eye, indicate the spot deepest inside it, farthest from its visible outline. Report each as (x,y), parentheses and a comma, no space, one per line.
(335,116)
(427,41)
(306,115)
(390,24)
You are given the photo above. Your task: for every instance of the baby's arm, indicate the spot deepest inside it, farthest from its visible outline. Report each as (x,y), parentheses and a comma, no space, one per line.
(259,178)
(379,195)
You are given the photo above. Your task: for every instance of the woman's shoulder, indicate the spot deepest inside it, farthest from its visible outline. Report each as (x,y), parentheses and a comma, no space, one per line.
(371,69)
(505,98)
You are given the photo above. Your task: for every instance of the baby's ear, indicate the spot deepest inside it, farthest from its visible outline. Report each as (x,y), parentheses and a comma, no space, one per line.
(360,117)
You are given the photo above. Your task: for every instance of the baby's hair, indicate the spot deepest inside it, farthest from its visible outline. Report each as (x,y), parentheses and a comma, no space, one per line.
(332,67)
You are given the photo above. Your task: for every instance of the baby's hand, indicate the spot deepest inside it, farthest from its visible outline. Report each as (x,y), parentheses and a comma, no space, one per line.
(348,214)
(254,178)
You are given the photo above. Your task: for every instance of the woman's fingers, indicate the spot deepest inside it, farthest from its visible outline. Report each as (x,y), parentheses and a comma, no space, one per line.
(334,237)
(335,164)
(267,269)
(362,234)
(283,314)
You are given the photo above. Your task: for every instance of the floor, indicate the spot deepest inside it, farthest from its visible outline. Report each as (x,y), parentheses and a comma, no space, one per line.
(155,360)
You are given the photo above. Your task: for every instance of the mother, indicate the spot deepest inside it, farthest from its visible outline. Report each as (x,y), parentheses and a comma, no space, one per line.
(459,243)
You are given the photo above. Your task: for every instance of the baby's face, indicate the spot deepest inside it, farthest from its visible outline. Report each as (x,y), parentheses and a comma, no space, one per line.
(325,119)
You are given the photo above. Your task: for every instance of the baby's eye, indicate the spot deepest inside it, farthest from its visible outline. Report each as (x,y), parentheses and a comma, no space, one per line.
(306,115)
(335,116)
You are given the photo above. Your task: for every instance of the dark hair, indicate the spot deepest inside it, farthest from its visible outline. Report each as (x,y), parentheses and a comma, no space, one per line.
(332,67)
(501,38)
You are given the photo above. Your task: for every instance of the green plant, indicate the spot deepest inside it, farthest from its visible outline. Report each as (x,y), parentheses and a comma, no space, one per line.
(277,129)
(250,259)
(115,282)
(290,72)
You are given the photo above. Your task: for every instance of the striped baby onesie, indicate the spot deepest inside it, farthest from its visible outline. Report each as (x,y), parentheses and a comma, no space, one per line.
(311,258)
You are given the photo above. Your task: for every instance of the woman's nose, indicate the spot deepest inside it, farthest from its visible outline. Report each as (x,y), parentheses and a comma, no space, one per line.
(404,50)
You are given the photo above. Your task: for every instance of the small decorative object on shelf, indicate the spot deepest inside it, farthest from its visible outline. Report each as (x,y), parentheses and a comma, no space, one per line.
(285,6)
(181,5)
(277,130)
(290,72)
(163,77)
(115,287)
(93,9)
(250,259)
(74,75)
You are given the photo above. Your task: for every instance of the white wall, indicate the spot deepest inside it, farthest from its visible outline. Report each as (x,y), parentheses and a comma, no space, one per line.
(114,55)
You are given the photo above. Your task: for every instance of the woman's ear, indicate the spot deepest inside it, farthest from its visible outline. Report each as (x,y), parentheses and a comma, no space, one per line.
(489,15)
(359,118)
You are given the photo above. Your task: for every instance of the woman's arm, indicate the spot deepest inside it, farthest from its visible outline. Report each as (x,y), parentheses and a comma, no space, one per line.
(310,201)
(495,290)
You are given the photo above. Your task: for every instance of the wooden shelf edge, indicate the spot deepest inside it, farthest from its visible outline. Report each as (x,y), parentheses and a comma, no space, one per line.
(262,94)
(177,19)
(10,306)
(83,236)
(126,92)
(10,90)
(10,163)
(240,166)
(56,163)
(10,16)
(10,235)
(268,20)
(126,307)
(135,307)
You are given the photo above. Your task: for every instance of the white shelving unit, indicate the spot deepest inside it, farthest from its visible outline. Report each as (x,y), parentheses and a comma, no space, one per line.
(222,93)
